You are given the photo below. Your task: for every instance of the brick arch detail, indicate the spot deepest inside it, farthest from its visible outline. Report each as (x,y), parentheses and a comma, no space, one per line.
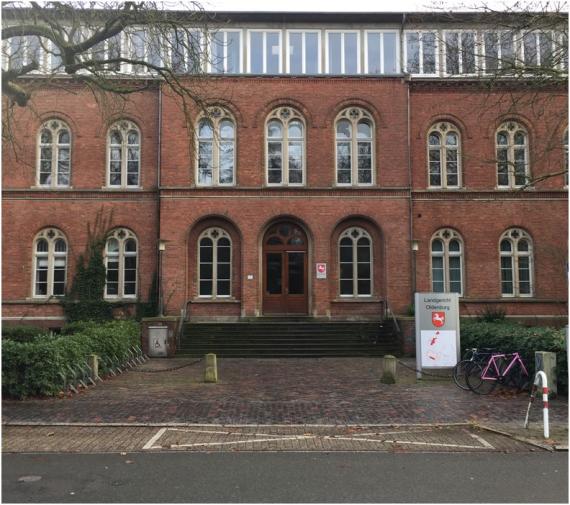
(353,102)
(224,103)
(106,124)
(260,115)
(44,117)
(421,132)
(517,118)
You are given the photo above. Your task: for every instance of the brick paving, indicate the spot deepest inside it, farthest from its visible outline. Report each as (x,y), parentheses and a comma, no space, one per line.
(335,391)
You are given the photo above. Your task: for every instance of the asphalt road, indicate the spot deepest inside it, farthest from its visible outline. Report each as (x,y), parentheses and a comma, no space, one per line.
(285,477)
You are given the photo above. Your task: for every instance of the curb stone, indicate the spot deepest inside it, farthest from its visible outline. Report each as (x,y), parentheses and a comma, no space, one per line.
(530,441)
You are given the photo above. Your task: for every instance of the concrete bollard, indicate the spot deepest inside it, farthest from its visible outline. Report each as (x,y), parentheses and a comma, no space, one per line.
(546,362)
(211,374)
(93,362)
(388,370)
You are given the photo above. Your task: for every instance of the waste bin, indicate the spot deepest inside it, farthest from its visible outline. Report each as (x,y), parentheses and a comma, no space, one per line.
(157,336)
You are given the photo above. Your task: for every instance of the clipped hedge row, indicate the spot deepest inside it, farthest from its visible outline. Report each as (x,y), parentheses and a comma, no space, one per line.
(22,333)
(513,337)
(33,368)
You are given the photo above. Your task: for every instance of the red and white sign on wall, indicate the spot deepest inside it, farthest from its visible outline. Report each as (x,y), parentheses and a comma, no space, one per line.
(321,270)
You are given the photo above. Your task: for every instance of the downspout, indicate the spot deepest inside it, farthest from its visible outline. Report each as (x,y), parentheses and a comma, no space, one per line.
(158,162)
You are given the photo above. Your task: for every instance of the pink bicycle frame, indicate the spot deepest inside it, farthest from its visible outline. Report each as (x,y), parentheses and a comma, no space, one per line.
(515,357)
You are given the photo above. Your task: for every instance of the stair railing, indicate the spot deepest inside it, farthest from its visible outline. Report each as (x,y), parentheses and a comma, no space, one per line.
(388,312)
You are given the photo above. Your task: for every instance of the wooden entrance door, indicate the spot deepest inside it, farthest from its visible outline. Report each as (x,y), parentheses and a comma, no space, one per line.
(285,283)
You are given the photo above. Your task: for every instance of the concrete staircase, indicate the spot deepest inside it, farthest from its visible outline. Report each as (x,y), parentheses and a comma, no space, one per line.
(298,338)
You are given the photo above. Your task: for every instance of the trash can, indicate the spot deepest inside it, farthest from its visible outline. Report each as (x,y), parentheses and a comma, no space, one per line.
(157,336)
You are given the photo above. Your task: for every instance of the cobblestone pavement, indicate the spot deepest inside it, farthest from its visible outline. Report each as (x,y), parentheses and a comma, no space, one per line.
(338,391)
(209,438)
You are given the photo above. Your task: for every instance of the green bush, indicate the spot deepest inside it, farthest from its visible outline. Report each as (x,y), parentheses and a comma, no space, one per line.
(513,337)
(22,333)
(33,368)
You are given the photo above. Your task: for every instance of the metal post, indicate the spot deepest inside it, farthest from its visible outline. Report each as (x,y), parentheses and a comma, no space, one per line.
(540,376)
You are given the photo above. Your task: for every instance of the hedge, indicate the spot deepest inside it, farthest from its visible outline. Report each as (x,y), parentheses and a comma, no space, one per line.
(513,337)
(32,368)
(22,333)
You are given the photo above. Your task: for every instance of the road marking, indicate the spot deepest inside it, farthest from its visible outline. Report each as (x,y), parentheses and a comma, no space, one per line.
(389,433)
(154,438)
(233,442)
(486,444)
(402,442)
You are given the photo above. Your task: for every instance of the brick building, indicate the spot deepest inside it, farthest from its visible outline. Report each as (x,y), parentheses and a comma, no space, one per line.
(335,165)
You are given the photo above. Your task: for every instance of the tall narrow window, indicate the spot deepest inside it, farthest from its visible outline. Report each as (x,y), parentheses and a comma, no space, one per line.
(421,53)
(216,149)
(355,263)
(50,263)
(354,147)
(459,52)
(226,52)
(447,262)
(285,132)
(444,156)
(343,52)
(381,52)
(214,264)
(499,51)
(54,154)
(186,51)
(264,52)
(512,155)
(121,262)
(515,251)
(123,155)
(303,52)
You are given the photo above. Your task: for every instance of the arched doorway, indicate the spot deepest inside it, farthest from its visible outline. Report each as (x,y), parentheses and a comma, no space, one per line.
(285,283)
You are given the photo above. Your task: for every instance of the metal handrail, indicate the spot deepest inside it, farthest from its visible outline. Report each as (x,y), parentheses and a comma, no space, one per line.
(388,311)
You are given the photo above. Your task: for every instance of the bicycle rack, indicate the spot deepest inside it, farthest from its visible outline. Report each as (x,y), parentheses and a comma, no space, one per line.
(540,376)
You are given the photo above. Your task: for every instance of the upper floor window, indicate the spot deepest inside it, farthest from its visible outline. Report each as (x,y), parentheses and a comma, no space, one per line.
(539,49)
(459,49)
(381,52)
(355,262)
(444,156)
(354,147)
(447,262)
(226,52)
(264,51)
(512,155)
(121,263)
(186,51)
(285,132)
(499,51)
(145,44)
(214,263)
(421,52)
(216,148)
(54,154)
(303,52)
(19,51)
(516,263)
(343,52)
(50,263)
(123,155)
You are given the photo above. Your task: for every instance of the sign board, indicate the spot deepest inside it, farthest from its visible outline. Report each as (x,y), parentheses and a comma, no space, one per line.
(321,270)
(437,330)
(157,341)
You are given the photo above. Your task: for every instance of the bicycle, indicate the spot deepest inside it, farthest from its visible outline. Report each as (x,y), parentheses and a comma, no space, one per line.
(500,369)
(470,357)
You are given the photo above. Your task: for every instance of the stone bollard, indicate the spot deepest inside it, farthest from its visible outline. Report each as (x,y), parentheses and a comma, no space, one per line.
(389,370)
(211,374)
(93,362)
(546,362)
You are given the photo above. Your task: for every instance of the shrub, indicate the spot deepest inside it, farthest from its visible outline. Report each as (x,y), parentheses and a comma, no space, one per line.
(33,368)
(512,337)
(22,333)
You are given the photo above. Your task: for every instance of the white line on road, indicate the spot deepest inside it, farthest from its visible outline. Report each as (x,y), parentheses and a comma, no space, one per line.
(486,444)
(154,438)
(234,442)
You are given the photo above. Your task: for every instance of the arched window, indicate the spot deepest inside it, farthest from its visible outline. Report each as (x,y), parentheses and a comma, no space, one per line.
(355,262)
(444,156)
(354,147)
(50,263)
(285,135)
(214,263)
(121,261)
(215,149)
(447,262)
(515,250)
(512,155)
(54,154)
(124,155)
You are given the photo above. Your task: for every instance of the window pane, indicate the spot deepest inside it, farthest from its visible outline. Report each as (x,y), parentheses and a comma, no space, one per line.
(346,250)
(296,269)
(363,271)
(468,52)
(390,53)
(506,276)
(205,162)
(233,52)
(506,246)
(346,287)
(438,285)
(428,41)
(334,55)
(413,53)
(312,54)
(364,287)
(224,253)
(223,288)
(350,53)
(273,273)
(491,52)
(346,271)
(529,46)
(343,129)
(507,50)
(218,52)
(206,271)
(206,250)
(274,129)
(524,275)
(296,53)
(364,130)
(273,53)
(452,53)
(205,288)
(373,56)
(256,52)
(437,246)
(545,42)
(455,274)
(295,130)
(226,174)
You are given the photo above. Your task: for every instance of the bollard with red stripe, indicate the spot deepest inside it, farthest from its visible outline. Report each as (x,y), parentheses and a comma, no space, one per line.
(540,376)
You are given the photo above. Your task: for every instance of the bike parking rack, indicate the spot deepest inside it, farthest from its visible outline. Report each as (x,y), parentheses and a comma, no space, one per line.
(540,376)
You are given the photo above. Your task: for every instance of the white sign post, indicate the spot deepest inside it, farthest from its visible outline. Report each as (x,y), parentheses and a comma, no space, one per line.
(437,330)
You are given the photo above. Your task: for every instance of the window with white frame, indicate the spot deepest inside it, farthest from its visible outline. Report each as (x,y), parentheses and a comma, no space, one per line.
(285,136)
(145,45)
(421,52)
(124,147)
(225,52)
(516,255)
(264,52)
(444,156)
(22,50)
(460,56)
(215,148)
(512,155)
(354,129)
(343,52)
(355,263)
(121,262)
(50,263)
(109,51)
(381,52)
(214,264)
(499,51)
(186,51)
(447,262)
(54,154)
(539,49)
(303,52)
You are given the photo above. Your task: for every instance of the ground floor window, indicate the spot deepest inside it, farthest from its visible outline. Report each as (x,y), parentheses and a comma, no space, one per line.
(355,263)
(214,263)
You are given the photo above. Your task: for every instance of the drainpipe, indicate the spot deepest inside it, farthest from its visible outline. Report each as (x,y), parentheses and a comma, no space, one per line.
(158,168)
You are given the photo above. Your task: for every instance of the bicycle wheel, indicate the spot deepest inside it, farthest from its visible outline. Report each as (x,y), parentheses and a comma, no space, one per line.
(459,372)
(517,378)
(476,383)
